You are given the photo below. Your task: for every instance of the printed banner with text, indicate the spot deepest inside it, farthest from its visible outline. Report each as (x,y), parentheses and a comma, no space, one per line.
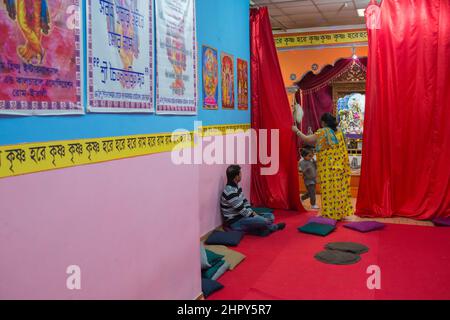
(176,79)
(319,39)
(120,56)
(40,57)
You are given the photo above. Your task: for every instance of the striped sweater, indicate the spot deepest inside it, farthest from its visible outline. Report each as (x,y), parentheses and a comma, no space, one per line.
(233,204)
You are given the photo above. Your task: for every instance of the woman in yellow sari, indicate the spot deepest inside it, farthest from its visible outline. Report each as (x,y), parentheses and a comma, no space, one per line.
(333,168)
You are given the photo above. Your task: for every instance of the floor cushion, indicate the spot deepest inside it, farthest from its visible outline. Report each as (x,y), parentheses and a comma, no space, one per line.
(365,226)
(352,247)
(204,258)
(210,286)
(209,273)
(262,210)
(213,257)
(222,269)
(337,257)
(442,222)
(322,220)
(229,238)
(317,229)
(231,256)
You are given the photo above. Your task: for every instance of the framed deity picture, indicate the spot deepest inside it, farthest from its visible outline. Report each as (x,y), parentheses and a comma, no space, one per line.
(210,71)
(227,84)
(242,70)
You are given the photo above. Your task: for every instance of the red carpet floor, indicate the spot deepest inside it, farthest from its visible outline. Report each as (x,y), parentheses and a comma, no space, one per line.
(414,263)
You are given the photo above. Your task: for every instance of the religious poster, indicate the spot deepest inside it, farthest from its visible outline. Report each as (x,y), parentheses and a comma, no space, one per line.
(40,57)
(227,69)
(242,70)
(120,56)
(210,69)
(176,80)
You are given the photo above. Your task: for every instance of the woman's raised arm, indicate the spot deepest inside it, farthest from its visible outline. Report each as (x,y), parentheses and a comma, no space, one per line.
(310,139)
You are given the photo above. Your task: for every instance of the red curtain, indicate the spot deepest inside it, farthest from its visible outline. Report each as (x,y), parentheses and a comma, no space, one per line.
(271,110)
(406,152)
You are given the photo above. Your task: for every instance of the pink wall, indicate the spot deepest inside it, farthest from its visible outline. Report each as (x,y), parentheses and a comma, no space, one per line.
(131,225)
(212,179)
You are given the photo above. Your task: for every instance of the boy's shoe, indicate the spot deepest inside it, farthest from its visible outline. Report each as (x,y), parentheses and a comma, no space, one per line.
(281,226)
(315,207)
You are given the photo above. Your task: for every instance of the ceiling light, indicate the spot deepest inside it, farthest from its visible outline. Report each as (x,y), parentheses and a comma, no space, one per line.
(361,12)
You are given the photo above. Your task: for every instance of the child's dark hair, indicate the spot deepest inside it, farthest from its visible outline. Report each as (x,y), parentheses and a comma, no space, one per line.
(306,151)
(330,121)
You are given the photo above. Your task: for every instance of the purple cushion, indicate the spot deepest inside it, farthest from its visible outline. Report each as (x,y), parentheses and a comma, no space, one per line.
(365,226)
(444,222)
(322,220)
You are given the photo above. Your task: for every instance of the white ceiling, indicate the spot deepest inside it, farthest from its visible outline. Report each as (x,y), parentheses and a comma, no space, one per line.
(299,14)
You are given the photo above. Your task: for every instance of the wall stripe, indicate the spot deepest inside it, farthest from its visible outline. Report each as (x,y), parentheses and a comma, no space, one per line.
(35,157)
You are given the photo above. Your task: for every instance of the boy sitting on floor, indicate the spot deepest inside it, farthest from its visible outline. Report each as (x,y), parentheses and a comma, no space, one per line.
(237,212)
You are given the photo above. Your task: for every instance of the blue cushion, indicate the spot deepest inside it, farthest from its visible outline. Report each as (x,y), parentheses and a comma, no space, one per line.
(229,238)
(210,286)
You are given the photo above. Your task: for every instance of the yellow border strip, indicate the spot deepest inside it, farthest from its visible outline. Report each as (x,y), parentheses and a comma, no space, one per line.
(35,157)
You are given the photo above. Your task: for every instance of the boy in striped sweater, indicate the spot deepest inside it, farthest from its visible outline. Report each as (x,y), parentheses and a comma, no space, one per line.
(237,212)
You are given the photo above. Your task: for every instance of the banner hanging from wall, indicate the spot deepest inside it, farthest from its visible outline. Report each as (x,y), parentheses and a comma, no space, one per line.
(227,84)
(176,80)
(120,56)
(286,41)
(40,57)
(242,69)
(210,69)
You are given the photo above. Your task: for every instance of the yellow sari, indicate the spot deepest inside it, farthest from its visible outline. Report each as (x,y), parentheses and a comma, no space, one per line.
(333,170)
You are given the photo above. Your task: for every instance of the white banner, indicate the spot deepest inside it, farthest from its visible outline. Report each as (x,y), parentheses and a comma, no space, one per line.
(120,55)
(176,82)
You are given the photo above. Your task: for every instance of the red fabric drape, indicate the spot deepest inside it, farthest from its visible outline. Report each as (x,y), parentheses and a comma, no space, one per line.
(317,92)
(406,152)
(271,110)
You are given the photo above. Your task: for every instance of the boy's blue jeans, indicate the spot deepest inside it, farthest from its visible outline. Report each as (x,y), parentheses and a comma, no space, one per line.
(261,221)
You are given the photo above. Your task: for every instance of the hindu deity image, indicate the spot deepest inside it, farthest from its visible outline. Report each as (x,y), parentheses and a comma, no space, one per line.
(242,84)
(227,82)
(210,77)
(176,53)
(351,114)
(33,19)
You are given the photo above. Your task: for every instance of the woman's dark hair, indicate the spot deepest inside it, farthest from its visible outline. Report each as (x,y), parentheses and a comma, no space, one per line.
(232,172)
(330,121)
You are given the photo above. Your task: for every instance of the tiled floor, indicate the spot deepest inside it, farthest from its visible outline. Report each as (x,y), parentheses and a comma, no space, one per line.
(396,220)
